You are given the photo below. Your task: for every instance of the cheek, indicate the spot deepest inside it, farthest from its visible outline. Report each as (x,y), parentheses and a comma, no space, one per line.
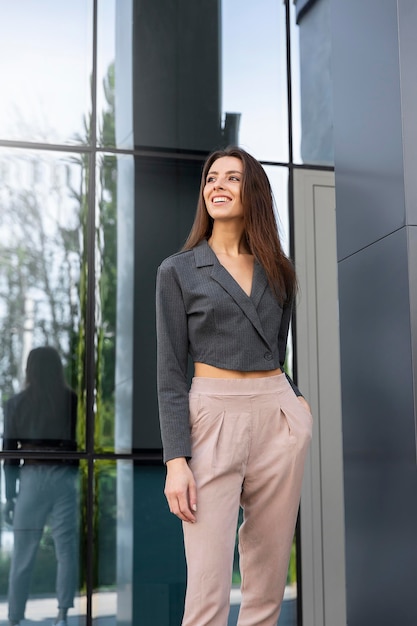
(206,193)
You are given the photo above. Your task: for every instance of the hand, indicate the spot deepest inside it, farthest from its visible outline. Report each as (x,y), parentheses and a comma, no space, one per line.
(8,512)
(181,490)
(304,403)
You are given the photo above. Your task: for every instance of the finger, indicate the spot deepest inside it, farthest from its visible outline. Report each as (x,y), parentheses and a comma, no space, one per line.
(193,497)
(184,510)
(178,508)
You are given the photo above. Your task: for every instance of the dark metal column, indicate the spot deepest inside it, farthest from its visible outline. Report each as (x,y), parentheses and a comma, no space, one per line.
(375,99)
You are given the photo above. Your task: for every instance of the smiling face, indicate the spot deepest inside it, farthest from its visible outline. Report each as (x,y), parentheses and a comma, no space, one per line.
(222,190)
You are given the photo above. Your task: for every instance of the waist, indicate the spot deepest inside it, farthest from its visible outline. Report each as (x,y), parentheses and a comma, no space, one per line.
(202,370)
(240,386)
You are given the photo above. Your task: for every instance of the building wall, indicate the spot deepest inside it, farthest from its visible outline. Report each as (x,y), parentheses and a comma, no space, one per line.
(374,49)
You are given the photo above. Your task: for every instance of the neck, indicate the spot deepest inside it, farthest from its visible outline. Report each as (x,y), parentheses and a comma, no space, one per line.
(228,240)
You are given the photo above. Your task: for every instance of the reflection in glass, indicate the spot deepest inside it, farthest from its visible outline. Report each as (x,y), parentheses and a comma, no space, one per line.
(295,85)
(45,68)
(41,491)
(311,82)
(114,303)
(106,515)
(42,266)
(114,74)
(254,77)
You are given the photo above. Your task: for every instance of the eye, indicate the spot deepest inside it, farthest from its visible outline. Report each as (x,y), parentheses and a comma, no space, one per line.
(210,179)
(235,178)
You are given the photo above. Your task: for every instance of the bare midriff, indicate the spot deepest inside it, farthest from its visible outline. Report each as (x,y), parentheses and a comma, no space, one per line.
(210,371)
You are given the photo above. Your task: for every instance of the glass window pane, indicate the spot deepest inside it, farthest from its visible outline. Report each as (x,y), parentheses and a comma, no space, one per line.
(45,70)
(114,74)
(110,486)
(311,83)
(114,302)
(278,177)
(43,292)
(39,536)
(139,563)
(113,542)
(167,73)
(136,228)
(254,76)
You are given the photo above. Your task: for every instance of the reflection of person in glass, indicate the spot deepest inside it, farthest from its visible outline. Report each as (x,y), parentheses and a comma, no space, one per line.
(41,418)
(240,435)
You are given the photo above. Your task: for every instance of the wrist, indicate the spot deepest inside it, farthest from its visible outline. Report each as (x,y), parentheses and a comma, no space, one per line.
(179,461)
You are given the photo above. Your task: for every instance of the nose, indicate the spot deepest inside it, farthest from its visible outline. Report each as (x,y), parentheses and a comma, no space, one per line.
(218,184)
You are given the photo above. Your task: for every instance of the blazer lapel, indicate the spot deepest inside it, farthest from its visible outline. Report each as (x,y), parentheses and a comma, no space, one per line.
(260,283)
(205,256)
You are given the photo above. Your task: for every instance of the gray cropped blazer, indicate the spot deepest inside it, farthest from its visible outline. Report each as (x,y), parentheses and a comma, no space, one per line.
(202,311)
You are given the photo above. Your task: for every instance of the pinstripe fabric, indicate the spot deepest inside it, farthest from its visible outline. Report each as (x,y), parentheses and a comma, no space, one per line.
(202,311)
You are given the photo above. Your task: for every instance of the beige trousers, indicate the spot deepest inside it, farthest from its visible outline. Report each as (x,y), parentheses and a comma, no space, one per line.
(249,442)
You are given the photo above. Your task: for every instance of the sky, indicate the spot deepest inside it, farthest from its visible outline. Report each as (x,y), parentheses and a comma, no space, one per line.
(46,64)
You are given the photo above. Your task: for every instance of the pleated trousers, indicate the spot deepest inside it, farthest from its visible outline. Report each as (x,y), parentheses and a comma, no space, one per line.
(249,442)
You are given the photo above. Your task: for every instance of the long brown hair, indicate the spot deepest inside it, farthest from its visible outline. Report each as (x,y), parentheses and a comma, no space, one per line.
(261,229)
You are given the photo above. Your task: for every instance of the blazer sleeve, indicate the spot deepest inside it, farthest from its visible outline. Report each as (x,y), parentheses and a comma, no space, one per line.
(172,361)
(282,341)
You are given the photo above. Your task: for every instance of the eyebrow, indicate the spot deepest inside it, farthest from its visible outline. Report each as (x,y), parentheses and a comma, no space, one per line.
(229,172)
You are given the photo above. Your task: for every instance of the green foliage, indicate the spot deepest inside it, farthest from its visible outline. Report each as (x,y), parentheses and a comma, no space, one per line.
(106,252)
(104,523)
(29,261)
(292,568)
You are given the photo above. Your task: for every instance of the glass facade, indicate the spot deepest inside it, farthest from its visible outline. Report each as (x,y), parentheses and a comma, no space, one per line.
(46,66)
(108,110)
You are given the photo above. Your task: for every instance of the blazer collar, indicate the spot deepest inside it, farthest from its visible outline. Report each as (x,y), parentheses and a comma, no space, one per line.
(204,256)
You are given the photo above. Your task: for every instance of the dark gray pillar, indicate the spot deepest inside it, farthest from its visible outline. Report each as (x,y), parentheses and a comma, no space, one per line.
(375,100)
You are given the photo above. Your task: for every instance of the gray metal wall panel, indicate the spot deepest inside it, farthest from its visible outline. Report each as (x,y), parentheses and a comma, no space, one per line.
(376,351)
(407,26)
(374,52)
(367,113)
(381,547)
(378,434)
(412,265)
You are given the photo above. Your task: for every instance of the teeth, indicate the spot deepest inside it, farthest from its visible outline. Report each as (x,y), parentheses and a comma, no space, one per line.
(220,199)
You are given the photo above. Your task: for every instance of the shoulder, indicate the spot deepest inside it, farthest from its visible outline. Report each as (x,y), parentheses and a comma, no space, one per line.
(179,260)
(186,261)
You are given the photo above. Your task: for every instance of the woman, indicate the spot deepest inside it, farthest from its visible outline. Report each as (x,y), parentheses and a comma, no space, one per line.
(239,436)
(42,418)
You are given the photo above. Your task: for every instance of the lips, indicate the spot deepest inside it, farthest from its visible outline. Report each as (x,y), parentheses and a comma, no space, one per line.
(220,199)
